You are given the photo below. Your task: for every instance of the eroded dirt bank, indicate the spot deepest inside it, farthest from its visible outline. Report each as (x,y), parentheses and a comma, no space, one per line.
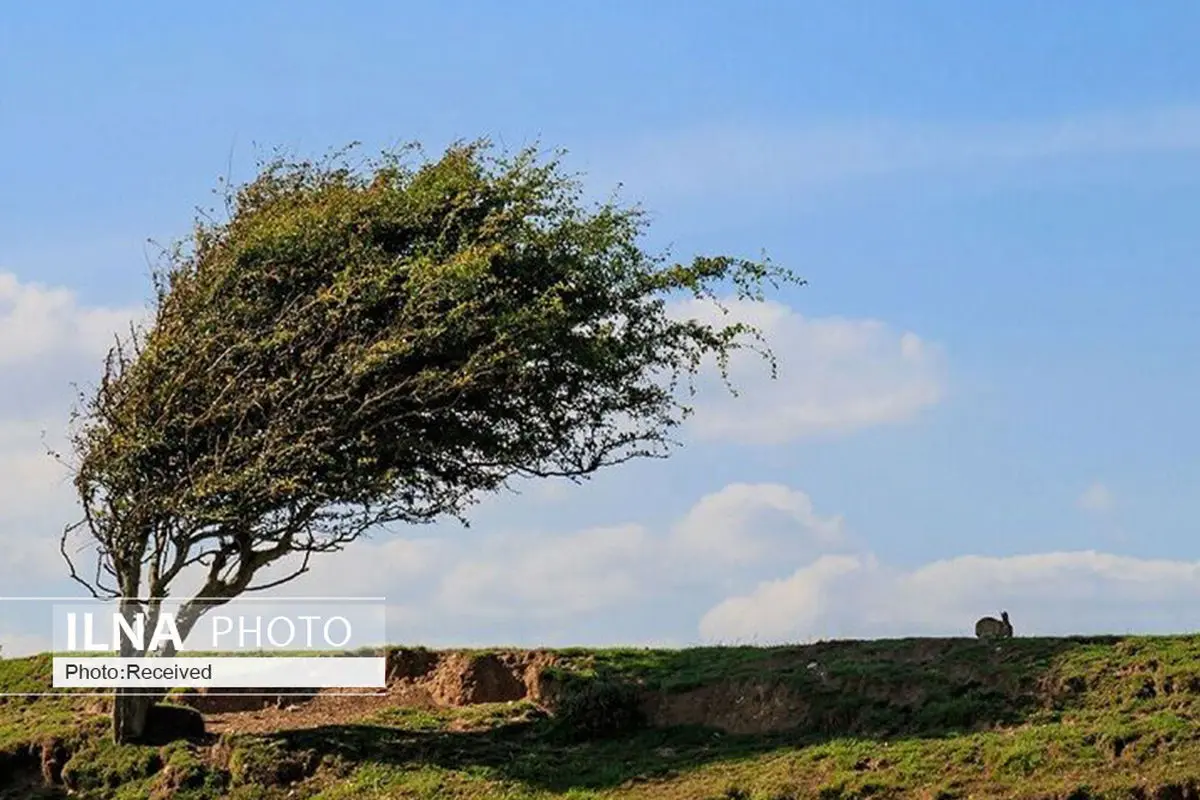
(416,678)
(419,678)
(778,696)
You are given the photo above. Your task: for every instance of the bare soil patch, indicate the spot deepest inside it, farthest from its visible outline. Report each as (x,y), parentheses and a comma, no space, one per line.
(416,679)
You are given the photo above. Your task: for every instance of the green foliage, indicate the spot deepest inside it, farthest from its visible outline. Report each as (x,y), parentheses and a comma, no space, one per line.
(382,343)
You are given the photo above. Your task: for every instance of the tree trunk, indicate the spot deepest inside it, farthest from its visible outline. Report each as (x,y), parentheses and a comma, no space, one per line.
(131,705)
(131,714)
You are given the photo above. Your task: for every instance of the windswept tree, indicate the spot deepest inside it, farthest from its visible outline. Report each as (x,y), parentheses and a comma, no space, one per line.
(385,342)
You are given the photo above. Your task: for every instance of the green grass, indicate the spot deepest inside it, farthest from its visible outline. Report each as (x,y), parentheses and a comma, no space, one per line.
(361,652)
(1068,718)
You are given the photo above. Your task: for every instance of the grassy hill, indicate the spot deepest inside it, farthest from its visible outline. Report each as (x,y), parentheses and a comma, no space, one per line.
(935,718)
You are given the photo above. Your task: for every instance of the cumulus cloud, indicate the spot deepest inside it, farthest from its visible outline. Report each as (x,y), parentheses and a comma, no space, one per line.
(37,322)
(834,376)
(781,609)
(756,563)
(551,576)
(559,575)
(744,523)
(1096,499)
(361,571)
(48,340)
(1055,593)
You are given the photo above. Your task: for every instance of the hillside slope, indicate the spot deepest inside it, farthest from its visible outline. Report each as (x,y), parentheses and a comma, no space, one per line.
(1067,718)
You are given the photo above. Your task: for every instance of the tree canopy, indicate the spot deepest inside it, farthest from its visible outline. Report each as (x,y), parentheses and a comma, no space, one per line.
(386,341)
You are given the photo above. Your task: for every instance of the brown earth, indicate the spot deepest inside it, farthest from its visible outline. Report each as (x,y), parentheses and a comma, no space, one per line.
(738,708)
(415,678)
(418,678)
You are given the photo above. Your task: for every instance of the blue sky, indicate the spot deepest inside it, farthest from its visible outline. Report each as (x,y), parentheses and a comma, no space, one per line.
(1011,183)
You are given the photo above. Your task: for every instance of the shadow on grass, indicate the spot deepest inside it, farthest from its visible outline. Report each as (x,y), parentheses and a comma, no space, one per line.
(34,793)
(531,753)
(879,690)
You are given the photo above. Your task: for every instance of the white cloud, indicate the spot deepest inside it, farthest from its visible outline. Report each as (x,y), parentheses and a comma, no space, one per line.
(551,576)
(1055,593)
(724,533)
(1096,499)
(16,645)
(38,321)
(30,479)
(757,563)
(368,564)
(736,161)
(834,376)
(777,610)
(48,340)
(31,558)
(744,523)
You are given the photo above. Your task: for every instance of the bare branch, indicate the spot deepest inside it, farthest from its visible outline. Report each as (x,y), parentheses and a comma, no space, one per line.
(74,575)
